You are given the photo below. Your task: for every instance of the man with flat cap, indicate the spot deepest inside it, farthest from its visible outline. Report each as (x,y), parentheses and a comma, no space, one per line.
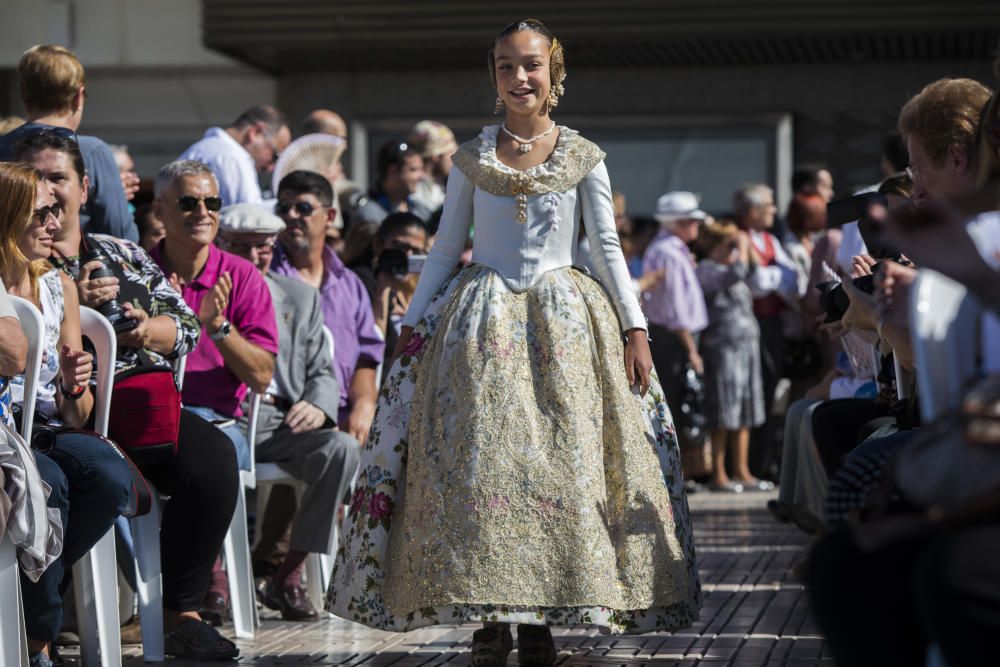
(298,412)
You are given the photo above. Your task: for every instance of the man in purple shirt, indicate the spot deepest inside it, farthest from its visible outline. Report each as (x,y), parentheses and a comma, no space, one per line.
(675,307)
(305,203)
(240,339)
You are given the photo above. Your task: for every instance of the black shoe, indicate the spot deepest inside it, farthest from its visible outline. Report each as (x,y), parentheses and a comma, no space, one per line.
(292,601)
(535,646)
(491,645)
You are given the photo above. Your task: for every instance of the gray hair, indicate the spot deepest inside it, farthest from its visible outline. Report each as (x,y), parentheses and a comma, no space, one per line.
(172,171)
(748,196)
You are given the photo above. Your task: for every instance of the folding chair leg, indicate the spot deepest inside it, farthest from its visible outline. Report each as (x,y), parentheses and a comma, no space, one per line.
(13,645)
(149,580)
(241,589)
(95,585)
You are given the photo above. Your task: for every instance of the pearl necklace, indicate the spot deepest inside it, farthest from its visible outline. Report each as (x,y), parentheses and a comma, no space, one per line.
(526,144)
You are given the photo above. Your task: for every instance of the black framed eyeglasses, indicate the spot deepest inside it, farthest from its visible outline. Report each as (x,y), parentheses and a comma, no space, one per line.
(42,214)
(303,208)
(188,203)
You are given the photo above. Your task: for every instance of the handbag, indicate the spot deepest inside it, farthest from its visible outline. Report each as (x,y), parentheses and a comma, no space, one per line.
(145,416)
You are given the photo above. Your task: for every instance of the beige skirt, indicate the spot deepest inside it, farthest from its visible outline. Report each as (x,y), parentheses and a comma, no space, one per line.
(512,475)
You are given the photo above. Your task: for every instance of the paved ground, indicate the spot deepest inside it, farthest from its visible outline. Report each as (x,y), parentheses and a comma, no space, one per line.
(755,613)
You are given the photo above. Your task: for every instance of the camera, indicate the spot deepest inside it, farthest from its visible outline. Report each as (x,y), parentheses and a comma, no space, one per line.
(397,263)
(111,310)
(872,228)
(834,300)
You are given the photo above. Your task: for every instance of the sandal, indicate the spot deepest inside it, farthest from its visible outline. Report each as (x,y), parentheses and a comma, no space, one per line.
(197,640)
(535,646)
(491,645)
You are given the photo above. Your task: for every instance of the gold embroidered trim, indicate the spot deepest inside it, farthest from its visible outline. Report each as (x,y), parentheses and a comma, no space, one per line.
(566,170)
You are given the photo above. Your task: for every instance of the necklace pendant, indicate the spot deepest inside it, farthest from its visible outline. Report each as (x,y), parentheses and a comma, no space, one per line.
(524,148)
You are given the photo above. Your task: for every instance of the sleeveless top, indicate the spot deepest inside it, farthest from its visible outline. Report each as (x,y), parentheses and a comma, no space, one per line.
(50,295)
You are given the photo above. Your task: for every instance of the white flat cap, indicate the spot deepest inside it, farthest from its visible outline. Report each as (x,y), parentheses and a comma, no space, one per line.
(249,219)
(678,205)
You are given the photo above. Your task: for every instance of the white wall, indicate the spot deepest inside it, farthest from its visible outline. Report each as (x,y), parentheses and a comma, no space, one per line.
(150,82)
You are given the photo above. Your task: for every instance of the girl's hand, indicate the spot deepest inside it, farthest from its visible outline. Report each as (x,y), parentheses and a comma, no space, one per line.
(638,360)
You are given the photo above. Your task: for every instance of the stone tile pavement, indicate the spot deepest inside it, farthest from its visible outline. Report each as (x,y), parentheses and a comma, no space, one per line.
(755,614)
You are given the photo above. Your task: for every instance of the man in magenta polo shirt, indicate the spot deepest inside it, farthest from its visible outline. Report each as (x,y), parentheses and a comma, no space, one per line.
(239,339)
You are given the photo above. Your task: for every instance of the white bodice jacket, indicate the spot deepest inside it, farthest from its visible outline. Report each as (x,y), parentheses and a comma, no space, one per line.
(571,185)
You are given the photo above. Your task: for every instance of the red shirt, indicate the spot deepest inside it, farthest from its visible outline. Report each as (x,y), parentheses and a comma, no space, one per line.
(207,381)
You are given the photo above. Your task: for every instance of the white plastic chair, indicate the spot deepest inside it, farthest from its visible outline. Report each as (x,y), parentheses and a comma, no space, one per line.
(95,577)
(319,567)
(236,547)
(148,570)
(97,604)
(13,640)
(944,334)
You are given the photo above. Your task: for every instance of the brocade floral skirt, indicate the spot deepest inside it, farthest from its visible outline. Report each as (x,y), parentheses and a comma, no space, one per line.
(512,475)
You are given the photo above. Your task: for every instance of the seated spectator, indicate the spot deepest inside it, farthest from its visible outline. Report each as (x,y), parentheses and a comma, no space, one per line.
(228,294)
(734,401)
(399,171)
(934,584)
(200,478)
(150,227)
(235,153)
(436,144)
(298,413)
(305,203)
(239,338)
(53,86)
(78,466)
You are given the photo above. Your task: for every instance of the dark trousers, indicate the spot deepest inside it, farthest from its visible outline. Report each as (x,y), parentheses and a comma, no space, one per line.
(772,366)
(838,426)
(91,485)
(670,359)
(883,608)
(202,480)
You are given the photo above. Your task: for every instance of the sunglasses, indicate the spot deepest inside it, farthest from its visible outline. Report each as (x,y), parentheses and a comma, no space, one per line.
(188,203)
(304,208)
(42,214)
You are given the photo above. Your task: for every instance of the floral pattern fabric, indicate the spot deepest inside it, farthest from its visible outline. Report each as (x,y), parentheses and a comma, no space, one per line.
(511,475)
(142,284)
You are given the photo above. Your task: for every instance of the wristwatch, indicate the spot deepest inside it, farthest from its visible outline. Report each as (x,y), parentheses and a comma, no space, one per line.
(223,331)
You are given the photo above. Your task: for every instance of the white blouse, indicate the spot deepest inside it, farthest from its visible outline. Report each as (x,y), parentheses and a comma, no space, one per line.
(572,185)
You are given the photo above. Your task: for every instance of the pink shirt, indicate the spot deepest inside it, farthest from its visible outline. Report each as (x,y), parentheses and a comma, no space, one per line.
(207,381)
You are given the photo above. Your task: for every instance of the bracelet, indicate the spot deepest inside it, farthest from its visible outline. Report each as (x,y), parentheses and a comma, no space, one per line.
(72,395)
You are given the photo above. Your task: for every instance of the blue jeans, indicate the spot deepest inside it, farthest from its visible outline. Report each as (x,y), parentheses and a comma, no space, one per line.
(91,485)
(231,428)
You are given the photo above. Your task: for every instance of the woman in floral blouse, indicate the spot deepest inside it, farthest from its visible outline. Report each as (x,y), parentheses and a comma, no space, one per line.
(201,477)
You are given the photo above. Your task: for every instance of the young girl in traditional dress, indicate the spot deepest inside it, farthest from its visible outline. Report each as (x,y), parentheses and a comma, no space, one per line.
(523,466)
